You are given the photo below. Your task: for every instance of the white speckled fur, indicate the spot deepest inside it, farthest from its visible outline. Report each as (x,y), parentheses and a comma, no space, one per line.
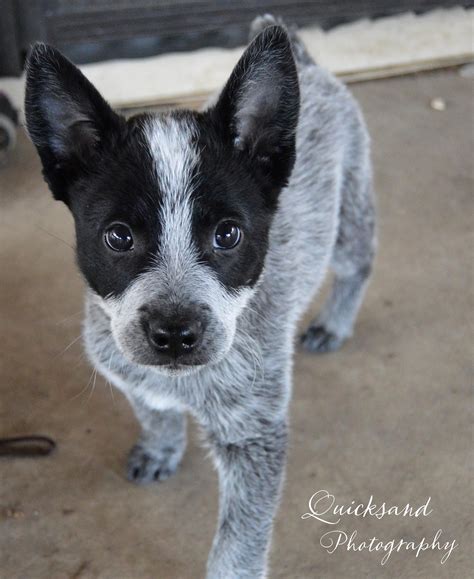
(325,217)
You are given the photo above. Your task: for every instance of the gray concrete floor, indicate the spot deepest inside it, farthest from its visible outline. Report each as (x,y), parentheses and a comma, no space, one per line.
(389,415)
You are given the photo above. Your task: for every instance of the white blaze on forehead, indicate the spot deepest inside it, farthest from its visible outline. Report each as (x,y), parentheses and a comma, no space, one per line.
(178,275)
(176,157)
(177,279)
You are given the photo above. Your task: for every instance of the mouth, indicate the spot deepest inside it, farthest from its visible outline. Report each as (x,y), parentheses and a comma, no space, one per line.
(171,367)
(174,369)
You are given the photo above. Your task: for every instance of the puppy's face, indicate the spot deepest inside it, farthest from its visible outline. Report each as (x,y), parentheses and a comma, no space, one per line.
(173,211)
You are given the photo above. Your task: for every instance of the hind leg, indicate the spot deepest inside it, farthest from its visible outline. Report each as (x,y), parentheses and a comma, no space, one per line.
(352,264)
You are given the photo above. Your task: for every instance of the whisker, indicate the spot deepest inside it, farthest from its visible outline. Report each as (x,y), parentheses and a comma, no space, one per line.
(112,395)
(68,318)
(251,347)
(55,236)
(257,314)
(84,389)
(68,346)
(93,387)
(108,382)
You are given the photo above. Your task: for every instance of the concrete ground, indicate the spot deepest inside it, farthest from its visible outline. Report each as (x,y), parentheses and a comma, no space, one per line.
(388,416)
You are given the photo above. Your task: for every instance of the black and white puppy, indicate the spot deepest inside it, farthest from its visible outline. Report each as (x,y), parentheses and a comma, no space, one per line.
(203,237)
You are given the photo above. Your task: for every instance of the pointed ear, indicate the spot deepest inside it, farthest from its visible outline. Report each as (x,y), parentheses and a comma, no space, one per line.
(258,108)
(67,119)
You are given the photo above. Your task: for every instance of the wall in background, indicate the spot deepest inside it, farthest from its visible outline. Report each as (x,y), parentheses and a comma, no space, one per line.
(95,30)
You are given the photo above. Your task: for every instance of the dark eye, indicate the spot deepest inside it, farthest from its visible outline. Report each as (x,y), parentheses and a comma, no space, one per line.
(119,237)
(227,235)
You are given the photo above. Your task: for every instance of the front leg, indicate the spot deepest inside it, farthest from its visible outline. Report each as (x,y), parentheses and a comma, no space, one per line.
(250,479)
(161,445)
(162,442)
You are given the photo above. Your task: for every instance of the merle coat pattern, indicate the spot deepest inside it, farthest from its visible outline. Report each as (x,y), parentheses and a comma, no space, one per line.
(284,154)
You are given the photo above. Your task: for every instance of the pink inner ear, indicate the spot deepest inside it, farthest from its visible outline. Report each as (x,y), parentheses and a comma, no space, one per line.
(65,114)
(73,131)
(257,109)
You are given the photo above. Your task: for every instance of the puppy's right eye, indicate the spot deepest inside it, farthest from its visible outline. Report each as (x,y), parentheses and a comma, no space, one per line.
(118,237)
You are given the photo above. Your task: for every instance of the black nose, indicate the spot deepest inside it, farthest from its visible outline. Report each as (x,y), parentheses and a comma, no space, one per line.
(174,339)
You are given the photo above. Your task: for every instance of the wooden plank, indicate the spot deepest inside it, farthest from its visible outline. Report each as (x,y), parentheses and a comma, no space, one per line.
(197,100)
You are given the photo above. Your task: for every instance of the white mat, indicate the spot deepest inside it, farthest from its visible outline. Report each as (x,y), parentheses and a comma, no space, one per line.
(364,49)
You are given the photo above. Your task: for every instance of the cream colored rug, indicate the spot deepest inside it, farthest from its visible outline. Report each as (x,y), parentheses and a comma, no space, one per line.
(361,50)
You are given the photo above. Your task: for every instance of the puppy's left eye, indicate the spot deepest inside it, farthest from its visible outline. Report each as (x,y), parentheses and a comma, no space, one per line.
(227,235)
(118,237)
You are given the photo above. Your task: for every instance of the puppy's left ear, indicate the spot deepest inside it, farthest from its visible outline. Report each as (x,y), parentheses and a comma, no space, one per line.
(258,108)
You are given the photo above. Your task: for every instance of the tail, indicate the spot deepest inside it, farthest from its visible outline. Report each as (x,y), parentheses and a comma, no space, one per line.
(300,53)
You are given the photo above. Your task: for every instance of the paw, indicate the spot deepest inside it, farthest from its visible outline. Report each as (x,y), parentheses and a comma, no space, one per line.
(144,467)
(318,339)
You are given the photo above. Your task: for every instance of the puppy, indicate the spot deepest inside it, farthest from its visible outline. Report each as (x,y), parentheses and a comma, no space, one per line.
(203,237)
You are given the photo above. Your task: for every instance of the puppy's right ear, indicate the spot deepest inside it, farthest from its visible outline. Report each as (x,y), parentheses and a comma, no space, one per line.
(67,119)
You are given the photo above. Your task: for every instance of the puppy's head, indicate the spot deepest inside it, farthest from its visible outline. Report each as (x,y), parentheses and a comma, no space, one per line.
(172,212)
